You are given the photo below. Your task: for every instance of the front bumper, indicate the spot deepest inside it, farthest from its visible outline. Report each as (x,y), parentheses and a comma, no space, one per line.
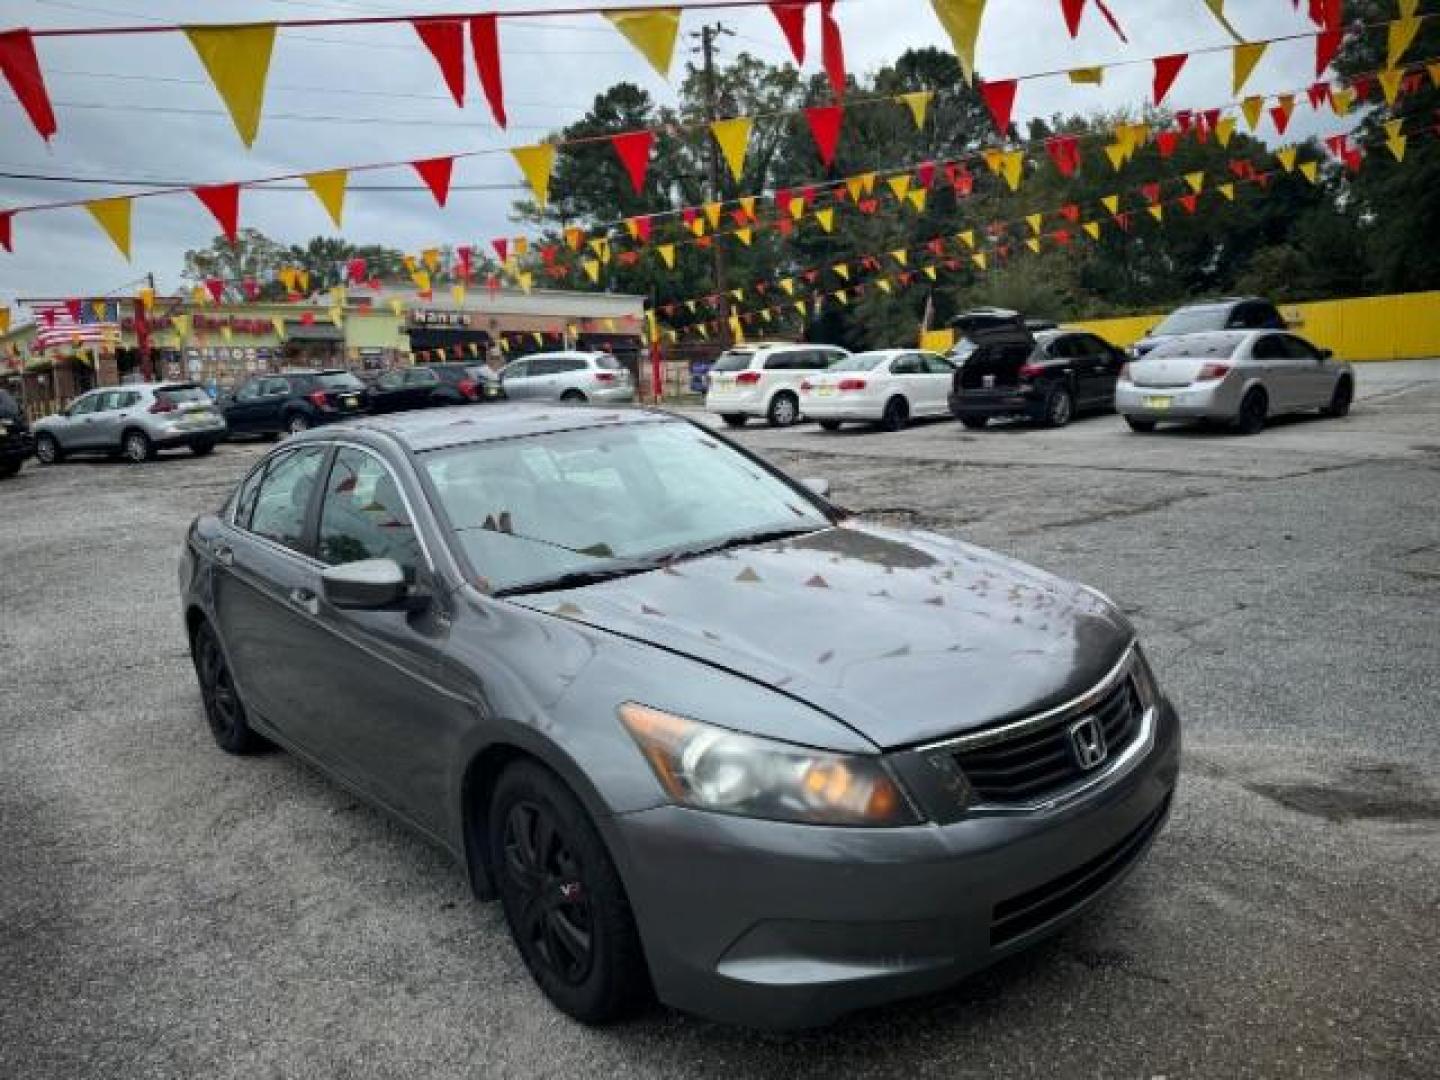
(19,444)
(1003,401)
(775,925)
(1212,401)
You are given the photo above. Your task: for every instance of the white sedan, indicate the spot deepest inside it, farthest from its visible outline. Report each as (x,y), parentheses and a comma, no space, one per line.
(888,386)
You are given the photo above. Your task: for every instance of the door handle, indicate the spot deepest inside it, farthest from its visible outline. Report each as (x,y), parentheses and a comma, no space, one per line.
(224,555)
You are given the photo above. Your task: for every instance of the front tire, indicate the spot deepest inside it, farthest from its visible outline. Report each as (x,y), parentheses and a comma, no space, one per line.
(1253,409)
(47,449)
(975,423)
(1137,424)
(9,467)
(784,410)
(896,415)
(136,447)
(1059,407)
(563,899)
(734,420)
(200,449)
(573,397)
(223,709)
(297,423)
(1340,400)
(830,425)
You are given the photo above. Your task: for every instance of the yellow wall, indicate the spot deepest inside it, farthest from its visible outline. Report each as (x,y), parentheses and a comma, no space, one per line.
(1400,327)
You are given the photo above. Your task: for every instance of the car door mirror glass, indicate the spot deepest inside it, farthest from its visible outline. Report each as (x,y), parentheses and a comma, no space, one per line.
(369,584)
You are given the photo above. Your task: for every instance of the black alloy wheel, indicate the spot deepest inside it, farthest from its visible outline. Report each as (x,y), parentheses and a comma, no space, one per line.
(223,708)
(1340,400)
(896,415)
(1253,408)
(47,449)
(563,899)
(784,410)
(1059,407)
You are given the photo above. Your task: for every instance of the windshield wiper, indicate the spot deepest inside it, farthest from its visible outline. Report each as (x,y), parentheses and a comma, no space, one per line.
(576,579)
(740,540)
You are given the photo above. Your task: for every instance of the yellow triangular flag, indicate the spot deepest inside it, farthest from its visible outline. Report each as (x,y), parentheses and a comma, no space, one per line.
(855,185)
(788,284)
(1217,8)
(1400,37)
(745,235)
(735,328)
(1090,76)
(839,294)
(1011,166)
(737,295)
(1390,84)
(279,325)
(667,254)
(733,138)
(430,257)
(397,306)
(1116,153)
(900,185)
(238,60)
(1246,57)
(1397,147)
(1286,156)
(917,198)
(527,281)
(901,256)
(1228,190)
(747,203)
(1310,171)
(302,278)
(1157,211)
(1092,229)
(884,284)
(1341,99)
(457,294)
(961,20)
(697,226)
(98,307)
(918,102)
(797,207)
(994,158)
(967,238)
(421,280)
(337,315)
(114,217)
(867,182)
(147,298)
(1251,108)
(826,218)
(652,31)
(712,214)
(1033,243)
(536,163)
(601,247)
(1393,127)
(181,325)
(1034,221)
(978,259)
(1224,128)
(1196,181)
(842,271)
(1434,70)
(800,307)
(329,188)
(930,272)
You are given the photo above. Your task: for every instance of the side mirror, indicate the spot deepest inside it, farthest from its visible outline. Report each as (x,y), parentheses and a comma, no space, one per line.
(1327,354)
(370,584)
(819,487)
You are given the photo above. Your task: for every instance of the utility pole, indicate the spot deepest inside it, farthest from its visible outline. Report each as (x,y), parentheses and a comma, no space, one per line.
(708,34)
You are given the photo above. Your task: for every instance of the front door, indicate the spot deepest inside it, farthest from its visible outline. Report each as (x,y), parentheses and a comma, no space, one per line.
(1279,371)
(110,417)
(516,380)
(243,411)
(78,431)
(1314,375)
(386,724)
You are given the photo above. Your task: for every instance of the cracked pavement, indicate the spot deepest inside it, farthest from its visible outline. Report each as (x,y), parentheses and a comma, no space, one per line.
(168,911)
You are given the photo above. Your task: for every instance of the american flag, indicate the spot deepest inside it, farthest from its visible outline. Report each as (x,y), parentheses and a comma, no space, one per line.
(71,322)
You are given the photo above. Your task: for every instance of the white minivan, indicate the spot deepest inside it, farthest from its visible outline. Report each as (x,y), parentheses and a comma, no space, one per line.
(763,379)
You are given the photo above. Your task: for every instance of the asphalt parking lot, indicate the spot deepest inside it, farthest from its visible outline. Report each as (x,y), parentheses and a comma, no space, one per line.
(166,910)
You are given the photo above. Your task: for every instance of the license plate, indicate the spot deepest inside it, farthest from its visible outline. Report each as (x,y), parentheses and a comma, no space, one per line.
(824,391)
(724,382)
(351,402)
(1157,403)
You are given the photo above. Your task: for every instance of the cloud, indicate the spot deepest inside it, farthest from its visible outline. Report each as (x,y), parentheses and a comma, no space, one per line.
(140,107)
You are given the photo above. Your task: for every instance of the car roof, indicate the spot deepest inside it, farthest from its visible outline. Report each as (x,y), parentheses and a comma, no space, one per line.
(433,429)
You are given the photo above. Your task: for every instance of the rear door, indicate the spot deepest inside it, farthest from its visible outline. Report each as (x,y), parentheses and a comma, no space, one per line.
(1094,381)
(1106,372)
(908,377)
(242,412)
(388,392)
(420,386)
(79,429)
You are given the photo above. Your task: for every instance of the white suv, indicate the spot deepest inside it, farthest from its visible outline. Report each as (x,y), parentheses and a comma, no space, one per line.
(764,380)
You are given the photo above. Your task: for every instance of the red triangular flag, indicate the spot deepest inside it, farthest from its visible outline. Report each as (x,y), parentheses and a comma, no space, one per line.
(832,49)
(1166,68)
(1070,212)
(1281,116)
(1151,192)
(436,174)
(1166,141)
(925,173)
(216,287)
(1073,10)
(1062,237)
(642,229)
(1183,119)
(1065,152)
(445,38)
(6,236)
(825,129)
(791,18)
(782,200)
(222,200)
(502,248)
(307,318)
(251,288)
(485,43)
(1000,100)
(633,149)
(1327,44)
(355,271)
(22,71)
(1188,202)
(785,225)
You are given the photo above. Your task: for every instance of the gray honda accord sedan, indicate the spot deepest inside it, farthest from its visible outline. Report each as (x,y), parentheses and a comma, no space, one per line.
(703,734)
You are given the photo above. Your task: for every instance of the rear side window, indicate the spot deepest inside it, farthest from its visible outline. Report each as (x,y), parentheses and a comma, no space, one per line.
(1270,347)
(606,362)
(339,380)
(178,395)
(284,496)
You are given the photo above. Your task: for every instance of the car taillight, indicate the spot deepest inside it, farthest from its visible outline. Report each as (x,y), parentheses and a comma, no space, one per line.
(160,405)
(468,388)
(748,378)
(1212,371)
(318,399)
(605,376)
(806,385)
(1030,371)
(1125,372)
(852,384)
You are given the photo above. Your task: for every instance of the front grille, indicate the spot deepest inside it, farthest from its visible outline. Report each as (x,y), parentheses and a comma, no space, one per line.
(1042,760)
(1018,915)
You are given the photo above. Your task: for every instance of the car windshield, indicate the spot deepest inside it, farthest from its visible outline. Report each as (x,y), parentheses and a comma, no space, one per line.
(1196,345)
(865,361)
(178,395)
(569,507)
(733,361)
(339,380)
(1190,320)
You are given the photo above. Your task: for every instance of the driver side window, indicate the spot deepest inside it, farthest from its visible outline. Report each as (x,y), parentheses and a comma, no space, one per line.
(391,380)
(87,404)
(284,496)
(364,516)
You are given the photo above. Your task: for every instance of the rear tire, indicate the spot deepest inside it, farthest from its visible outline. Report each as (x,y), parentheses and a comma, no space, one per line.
(137,447)
(784,409)
(200,449)
(975,423)
(1253,408)
(1340,400)
(573,397)
(830,425)
(47,449)
(735,420)
(9,467)
(1142,426)
(563,899)
(223,709)
(1059,407)
(896,415)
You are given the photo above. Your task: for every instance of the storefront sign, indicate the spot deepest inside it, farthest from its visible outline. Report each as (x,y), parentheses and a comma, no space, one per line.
(459,320)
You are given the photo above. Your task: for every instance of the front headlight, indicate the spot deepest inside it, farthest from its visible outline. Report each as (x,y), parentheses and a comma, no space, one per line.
(1145,684)
(712,768)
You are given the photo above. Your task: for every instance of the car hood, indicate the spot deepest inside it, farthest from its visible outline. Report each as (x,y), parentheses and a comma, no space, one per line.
(902,636)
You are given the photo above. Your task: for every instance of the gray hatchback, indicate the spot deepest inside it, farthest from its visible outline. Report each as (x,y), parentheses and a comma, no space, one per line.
(699,730)
(132,421)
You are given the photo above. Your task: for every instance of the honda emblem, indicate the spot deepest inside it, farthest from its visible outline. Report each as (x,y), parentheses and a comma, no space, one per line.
(1087,739)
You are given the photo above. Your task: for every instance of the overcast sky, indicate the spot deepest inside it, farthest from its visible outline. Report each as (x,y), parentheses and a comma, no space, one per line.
(141,108)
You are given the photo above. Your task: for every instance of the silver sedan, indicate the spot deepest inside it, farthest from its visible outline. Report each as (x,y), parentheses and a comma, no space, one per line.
(1237,377)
